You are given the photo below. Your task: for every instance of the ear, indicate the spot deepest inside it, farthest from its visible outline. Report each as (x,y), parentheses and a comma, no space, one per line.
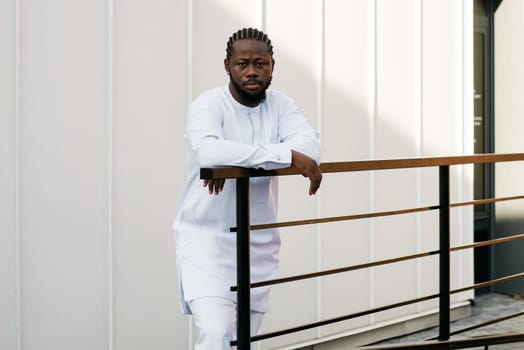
(272,66)
(226,65)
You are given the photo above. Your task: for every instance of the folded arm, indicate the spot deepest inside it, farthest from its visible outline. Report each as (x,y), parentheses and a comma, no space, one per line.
(297,146)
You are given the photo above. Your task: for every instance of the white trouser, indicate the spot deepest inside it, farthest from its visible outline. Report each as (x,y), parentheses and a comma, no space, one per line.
(215,319)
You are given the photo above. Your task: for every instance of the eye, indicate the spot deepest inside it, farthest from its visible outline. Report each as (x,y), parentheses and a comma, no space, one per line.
(242,64)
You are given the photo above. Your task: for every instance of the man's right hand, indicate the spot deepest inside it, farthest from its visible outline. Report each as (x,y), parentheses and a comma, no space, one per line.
(309,168)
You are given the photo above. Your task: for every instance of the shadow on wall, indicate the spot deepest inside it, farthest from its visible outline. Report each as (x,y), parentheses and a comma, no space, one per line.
(507,257)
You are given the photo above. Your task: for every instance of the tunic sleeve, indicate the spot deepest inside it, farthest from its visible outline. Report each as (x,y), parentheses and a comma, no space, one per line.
(295,131)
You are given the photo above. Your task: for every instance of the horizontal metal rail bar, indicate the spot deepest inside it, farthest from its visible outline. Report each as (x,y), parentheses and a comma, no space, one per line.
(338,218)
(489,283)
(378,309)
(490,242)
(372,215)
(338,167)
(338,319)
(338,270)
(452,344)
(483,324)
(378,263)
(486,201)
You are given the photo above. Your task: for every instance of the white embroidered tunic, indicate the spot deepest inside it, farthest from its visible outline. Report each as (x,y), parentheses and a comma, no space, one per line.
(222,132)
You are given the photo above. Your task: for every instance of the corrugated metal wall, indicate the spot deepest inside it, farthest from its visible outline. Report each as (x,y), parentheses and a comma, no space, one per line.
(93,100)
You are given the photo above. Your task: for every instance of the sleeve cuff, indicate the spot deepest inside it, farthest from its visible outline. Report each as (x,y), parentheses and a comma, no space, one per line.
(279,156)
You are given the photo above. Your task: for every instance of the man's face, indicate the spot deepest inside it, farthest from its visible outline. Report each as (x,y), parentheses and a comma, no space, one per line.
(250,68)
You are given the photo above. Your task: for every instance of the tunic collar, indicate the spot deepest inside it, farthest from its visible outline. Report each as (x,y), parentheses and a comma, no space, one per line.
(240,105)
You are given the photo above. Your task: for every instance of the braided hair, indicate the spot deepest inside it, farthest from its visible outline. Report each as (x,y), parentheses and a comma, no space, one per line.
(248,34)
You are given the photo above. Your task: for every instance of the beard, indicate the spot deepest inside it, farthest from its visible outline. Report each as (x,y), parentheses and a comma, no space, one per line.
(250,98)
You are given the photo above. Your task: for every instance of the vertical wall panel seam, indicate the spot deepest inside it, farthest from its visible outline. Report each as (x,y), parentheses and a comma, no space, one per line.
(468,115)
(263,15)
(421,140)
(468,69)
(372,47)
(460,111)
(467,81)
(420,110)
(18,248)
(189,92)
(464,119)
(320,59)
(189,51)
(373,74)
(418,114)
(460,59)
(109,65)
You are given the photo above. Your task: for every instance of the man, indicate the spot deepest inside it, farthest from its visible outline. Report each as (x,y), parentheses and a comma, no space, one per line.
(241,124)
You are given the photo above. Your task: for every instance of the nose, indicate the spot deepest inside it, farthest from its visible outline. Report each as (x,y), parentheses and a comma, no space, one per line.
(251,71)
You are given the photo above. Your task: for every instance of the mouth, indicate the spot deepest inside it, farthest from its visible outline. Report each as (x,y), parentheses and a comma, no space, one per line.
(252,85)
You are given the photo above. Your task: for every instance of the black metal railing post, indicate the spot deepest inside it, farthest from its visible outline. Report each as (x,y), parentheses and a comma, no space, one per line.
(243,266)
(444,256)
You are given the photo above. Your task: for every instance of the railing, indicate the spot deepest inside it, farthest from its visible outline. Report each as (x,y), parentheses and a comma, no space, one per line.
(243,228)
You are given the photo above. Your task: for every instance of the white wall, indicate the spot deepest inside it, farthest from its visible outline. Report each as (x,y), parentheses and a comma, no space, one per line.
(91,125)
(8,263)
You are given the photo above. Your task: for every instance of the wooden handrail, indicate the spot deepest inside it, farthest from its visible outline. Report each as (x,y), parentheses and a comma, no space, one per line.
(336,167)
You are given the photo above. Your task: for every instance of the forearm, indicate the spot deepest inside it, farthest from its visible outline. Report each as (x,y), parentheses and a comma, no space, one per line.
(213,152)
